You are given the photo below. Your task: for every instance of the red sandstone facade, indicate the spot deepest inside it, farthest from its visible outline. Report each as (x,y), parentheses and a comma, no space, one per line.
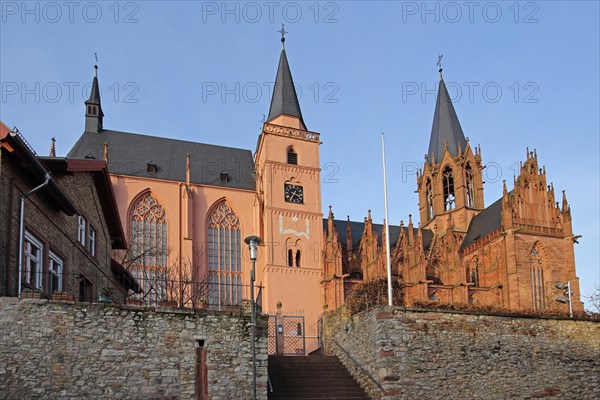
(509,254)
(186,208)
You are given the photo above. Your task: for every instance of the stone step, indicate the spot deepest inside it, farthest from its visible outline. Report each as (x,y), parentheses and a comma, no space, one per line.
(312,378)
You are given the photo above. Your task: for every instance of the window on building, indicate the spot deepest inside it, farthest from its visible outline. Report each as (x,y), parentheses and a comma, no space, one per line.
(92,239)
(55,273)
(470,192)
(32,259)
(224,256)
(149,248)
(473,272)
(448,183)
(538,289)
(81,224)
(86,289)
(298,258)
(290,258)
(429,199)
(292,156)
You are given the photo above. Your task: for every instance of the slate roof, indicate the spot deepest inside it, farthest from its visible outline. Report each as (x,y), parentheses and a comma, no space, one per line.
(358,227)
(446,127)
(483,223)
(94,92)
(285,99)
(130,154)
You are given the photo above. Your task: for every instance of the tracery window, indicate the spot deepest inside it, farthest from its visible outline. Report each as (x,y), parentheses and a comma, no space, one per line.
(149,248)
(537,277)
(470,193)
(429,199)
(473,272)
(224,256)
(448,183)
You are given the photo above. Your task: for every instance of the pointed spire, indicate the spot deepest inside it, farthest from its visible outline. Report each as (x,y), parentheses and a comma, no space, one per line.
(330,222)
(348,236)
(95,91)
(446,131)
(565,203)
(53,147)
(187,170)
(93,107)
(284,100)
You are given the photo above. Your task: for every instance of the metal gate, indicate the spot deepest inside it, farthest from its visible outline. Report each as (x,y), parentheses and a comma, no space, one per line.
(287,336)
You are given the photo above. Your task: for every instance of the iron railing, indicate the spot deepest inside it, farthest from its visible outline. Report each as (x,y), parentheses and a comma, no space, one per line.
(358,365)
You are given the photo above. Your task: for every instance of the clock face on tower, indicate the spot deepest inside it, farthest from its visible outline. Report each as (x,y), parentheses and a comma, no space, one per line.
(294,193)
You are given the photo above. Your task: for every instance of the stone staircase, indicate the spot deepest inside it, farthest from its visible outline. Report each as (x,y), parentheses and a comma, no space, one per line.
(312,377)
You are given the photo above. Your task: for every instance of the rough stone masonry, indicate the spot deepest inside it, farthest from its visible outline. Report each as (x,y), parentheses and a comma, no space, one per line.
(419,354)
(73,351)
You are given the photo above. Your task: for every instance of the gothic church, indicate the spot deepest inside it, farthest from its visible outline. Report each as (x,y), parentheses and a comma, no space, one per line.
(186,208)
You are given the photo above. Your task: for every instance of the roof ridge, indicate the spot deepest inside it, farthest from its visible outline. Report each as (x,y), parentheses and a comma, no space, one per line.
(173,139)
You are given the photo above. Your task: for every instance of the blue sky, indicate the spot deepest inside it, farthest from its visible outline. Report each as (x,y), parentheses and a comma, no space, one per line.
(521,74)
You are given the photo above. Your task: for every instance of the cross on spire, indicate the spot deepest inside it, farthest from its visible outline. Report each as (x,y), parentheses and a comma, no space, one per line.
(283,32)
(439,64)
(96,65)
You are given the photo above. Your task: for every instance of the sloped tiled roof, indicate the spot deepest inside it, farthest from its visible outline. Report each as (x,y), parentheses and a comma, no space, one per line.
(130,154)
(358,227)
(483,223)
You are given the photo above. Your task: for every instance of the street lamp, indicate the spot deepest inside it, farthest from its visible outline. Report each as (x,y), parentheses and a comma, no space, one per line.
(253,242)
(566,288)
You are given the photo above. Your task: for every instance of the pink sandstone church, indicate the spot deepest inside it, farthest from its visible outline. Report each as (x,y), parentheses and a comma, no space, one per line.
(186,208)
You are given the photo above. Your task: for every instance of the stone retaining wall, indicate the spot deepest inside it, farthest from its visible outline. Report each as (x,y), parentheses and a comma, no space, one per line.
(73,351)
(415,354)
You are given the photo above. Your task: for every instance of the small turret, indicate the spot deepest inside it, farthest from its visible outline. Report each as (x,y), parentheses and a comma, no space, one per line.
(93,107)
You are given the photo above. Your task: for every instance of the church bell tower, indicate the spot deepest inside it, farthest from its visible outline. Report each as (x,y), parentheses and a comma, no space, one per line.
(450,186)
(289,205)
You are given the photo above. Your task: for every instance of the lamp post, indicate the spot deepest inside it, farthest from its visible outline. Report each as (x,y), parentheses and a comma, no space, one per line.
(253,242)
(566,288)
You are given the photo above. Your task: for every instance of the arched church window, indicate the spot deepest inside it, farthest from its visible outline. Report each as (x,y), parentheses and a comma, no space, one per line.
(89,109)
(290,258)
(470,192)
(298,258)
(429,199)
(448,183)
(94,110)
(148,227)
(292,156)
(224,256)
(473,272)
(538,289)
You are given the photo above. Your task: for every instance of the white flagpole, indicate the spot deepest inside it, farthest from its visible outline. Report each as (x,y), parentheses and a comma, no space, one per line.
(387,225)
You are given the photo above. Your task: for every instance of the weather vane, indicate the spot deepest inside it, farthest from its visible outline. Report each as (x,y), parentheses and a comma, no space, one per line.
(96,65)
(439,63)
(283,32)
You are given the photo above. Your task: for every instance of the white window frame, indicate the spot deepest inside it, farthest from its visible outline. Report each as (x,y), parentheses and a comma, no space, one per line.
(32,261)
(55,267)
(81,231)
(92,238)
